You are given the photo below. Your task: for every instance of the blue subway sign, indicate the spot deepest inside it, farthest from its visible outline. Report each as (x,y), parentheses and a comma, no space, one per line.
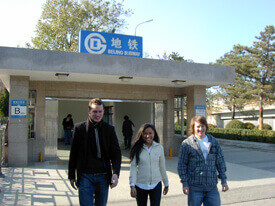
(19,108)
(109,43)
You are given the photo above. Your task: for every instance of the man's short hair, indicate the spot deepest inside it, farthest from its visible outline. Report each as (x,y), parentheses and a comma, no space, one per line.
(95,101)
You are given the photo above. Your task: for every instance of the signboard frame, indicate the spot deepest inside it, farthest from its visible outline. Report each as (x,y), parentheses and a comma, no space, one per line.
(110,44)
(18,108)
(200,110)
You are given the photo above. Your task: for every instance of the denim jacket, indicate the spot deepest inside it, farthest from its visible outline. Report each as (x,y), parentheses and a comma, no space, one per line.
(194,170)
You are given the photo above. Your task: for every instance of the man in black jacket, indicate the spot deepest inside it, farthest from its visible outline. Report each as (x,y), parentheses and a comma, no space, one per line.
(68,125)
(127,130)
(94,154)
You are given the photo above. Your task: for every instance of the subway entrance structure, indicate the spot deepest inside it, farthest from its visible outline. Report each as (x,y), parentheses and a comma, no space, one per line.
(45,86)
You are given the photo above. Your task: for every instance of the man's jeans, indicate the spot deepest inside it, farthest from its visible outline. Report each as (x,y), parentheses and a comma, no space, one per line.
(93,190)
(211,198)
(68,136)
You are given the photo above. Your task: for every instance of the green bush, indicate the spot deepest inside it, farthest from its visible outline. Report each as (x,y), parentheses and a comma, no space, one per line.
(266,136)
(249,125)
(4,103)
(235,124)
(211,126)
(3,120)
(265,127)
(184,120)
(177,129)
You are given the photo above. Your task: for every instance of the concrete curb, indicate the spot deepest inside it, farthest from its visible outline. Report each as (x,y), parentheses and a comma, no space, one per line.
(247,144)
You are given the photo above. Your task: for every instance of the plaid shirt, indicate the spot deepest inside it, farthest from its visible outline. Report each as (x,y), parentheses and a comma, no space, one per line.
(194,170)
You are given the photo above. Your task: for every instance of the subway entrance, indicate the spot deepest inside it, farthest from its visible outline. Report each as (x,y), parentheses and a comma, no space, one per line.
(139,112)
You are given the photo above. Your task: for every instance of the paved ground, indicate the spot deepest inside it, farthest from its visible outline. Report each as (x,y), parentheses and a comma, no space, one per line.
(251,180)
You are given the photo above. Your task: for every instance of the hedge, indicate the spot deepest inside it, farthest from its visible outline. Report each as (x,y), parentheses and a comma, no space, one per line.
(178,129)
(265,127)
(3,120)
(235,124)
(249,125)
(266,136)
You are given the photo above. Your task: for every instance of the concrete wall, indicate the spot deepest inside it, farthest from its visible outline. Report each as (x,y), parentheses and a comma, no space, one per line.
(159,120)
(107,68)
(222,119)
(18,127)
(78,110)
(139,113)
(196,95)
(51,126)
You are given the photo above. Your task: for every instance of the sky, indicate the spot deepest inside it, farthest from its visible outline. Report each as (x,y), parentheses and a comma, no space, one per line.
(200,30)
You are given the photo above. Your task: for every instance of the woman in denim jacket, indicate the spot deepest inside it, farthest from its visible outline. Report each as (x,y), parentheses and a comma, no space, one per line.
(199,160)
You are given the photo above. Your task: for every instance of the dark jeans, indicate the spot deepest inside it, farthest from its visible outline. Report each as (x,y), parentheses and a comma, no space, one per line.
(68,136)
(93,190)
(210,198)
(154,194)
(127,141)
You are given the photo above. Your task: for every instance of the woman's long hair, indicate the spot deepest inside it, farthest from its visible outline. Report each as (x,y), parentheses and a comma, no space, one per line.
(136,149)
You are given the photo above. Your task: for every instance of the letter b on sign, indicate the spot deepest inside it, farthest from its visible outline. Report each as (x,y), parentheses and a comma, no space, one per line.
(16,110)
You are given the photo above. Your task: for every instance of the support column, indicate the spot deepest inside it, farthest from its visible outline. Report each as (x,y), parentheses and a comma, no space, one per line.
(18,127)
(196,95)
(169,135)
(159,120)
(37,144)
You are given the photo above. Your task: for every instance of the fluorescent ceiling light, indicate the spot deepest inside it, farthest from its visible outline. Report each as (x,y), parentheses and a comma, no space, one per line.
(125,78)
(62,75)
(178,82)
